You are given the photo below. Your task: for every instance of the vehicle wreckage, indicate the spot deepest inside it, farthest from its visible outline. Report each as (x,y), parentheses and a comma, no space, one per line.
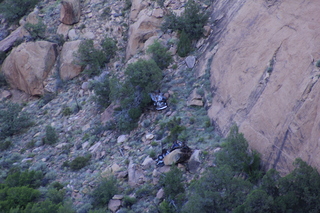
(178,153)
(159,100)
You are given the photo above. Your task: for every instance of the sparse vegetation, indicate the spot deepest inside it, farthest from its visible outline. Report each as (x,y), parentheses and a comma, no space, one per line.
(79,162)
(102,91)
(66,111)
(190,26)
(37,31)
(5,144)
(104,191)
(142,77)
(13,10)
(160,55)
(95,59)
(184,45)
(51,136)
(12,119)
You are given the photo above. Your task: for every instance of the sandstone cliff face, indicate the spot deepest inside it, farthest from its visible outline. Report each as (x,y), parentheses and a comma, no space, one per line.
(264,78)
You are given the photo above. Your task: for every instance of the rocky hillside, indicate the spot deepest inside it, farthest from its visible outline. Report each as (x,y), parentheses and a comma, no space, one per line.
(44,78)
(255,65)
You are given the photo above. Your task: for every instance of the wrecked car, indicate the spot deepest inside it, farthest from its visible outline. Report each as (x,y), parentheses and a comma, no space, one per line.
(178,153)
(159,101)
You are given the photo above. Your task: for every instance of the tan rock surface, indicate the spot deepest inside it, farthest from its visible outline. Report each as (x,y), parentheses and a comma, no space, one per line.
(8,42)
(277,111)
(28,65)
(70,11)
(140,31)
(68,68)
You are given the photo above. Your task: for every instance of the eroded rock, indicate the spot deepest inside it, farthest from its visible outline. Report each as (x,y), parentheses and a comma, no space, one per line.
(140,31)
(29,64)
(68,66)
(70,11)
(277,111)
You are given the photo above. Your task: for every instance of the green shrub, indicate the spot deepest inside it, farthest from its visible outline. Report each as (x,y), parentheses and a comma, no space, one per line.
(144,74)
(109,49)
(105,190)
(51,135)
(37,31)
(144,191)
(318,63)
(12,119)
(191,21)
(160,55)
(184,45)
(5,144)
(219,190)
(30,179)
(48,206)
(152,154)
(66,111)
(102,92)
(13,10)
(172,183)
(17,196)
(94,58)
(56,196)
(235,151)
(128,201)
(79,162)
(175,128)
(165,207)
(142,77)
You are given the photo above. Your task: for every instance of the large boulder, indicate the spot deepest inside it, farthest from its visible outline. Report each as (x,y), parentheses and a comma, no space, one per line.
(265,79)
(135,174)
(140,31)
(29,64)
(70,11)
(68,68)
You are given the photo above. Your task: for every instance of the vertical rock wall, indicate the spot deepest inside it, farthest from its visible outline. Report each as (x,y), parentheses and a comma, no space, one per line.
(264,78)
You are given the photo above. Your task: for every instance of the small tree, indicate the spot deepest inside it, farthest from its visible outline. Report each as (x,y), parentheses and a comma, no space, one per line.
(12,119)
(95,58)
(160,55)
(37,31)
(102,91)
(51,135)
(184,45)
(190,26)
(13,10)
(104,191)
(142,77)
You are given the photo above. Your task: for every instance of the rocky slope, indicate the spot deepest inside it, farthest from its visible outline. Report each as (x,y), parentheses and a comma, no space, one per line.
(65,100)
(261,56)
(262,59)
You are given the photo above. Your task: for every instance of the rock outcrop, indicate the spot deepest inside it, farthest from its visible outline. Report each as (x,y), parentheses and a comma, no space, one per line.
(68,67)
(140,31)
(16,35)
(264,78)
(70,11)
(28,65)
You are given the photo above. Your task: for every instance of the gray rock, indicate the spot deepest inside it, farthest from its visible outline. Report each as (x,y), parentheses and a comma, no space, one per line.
(190,61)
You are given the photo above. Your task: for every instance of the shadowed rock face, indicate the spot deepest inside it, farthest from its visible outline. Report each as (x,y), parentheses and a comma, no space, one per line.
(264,78)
